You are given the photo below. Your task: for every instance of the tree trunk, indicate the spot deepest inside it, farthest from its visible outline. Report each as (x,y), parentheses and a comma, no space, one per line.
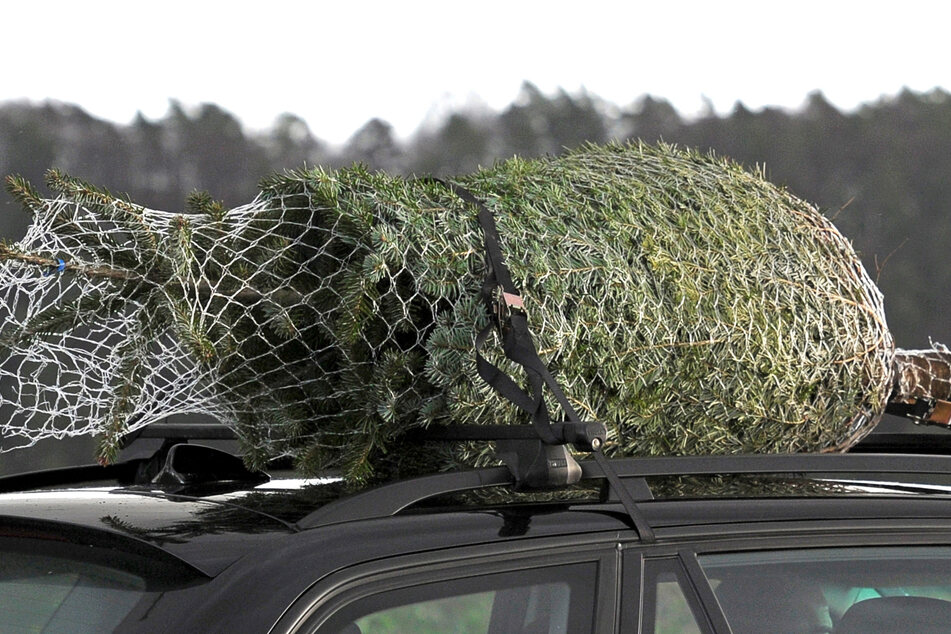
(922,374)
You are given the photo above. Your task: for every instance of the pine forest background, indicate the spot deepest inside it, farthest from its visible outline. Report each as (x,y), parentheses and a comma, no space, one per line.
(881,171)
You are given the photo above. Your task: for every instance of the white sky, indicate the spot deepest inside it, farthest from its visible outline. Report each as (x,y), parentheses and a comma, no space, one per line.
(337,64)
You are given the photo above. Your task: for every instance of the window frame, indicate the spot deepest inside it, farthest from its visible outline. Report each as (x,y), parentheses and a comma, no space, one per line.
(640,572)
(339,590)
(923,532)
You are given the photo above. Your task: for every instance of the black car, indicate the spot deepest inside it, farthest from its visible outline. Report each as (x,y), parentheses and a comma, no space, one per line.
(180,537)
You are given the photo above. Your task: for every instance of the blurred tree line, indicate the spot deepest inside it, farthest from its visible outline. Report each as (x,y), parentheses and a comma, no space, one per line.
(880,171)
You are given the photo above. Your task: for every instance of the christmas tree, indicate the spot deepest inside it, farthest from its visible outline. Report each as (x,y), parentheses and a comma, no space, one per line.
(682,300)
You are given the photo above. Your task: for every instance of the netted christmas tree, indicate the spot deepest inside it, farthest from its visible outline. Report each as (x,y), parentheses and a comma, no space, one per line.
(687,303)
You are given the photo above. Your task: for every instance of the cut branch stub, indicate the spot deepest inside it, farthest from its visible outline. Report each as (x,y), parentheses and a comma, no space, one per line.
(922,374)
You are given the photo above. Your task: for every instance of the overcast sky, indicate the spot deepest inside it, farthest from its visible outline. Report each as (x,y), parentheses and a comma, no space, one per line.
(339,64)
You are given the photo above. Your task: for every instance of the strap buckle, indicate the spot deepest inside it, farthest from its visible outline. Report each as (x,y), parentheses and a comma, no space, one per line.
(506,304)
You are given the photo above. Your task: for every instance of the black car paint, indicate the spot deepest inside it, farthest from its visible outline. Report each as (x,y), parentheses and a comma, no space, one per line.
(254,568)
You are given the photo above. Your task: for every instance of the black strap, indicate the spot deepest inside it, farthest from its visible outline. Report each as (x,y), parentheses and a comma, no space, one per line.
(503,300)
(641,525)
(922,410)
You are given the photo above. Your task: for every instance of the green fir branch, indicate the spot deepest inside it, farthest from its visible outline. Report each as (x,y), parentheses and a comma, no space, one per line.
(24,193)
(191,332)
(201,202)
(126,390)
(127,216)
(183,253)
(89,308)
(281,321)
(36,206)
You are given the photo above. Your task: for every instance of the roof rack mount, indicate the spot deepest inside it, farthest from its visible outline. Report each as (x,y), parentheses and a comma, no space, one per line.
(533,462)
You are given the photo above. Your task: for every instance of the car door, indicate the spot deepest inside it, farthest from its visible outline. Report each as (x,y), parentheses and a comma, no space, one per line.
(842,585)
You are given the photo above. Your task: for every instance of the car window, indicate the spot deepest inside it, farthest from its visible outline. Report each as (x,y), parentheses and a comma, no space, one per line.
(672,614)
(49,585)
(665,608)
(49,594)
(472,613)
(840,590)
(465,614)
(546,600)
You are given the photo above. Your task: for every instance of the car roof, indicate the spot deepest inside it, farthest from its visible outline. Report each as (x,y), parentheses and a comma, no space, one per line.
(211,523)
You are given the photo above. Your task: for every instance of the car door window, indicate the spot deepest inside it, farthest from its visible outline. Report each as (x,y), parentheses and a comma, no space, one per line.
(465,614)
(666,608)
(672,613)
(542,607)
(837,590)
(538,600)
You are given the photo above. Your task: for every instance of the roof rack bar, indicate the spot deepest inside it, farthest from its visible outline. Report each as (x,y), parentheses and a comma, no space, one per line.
(392,498)
(776,463)
(187,431)
(475,432)
(581,435)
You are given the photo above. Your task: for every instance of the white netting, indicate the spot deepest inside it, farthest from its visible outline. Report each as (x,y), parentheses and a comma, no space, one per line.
(923,374)
(277,318)
(65,383)
(685,302)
